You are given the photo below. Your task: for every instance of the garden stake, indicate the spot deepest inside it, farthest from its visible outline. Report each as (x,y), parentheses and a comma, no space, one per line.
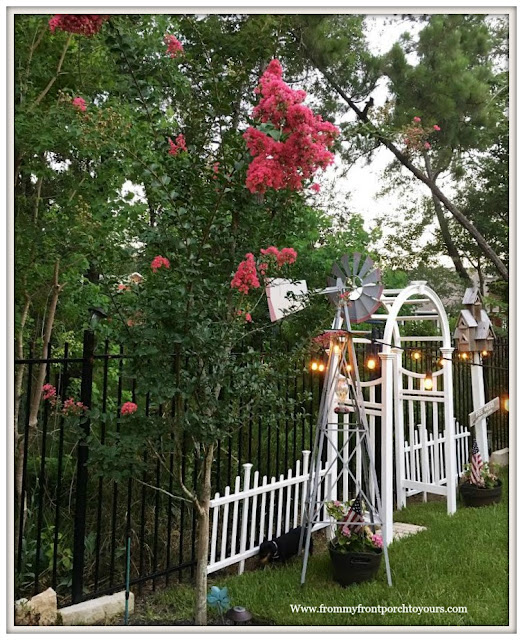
(127,578)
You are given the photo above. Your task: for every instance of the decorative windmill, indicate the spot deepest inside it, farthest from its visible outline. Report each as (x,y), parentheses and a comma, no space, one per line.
(355,290)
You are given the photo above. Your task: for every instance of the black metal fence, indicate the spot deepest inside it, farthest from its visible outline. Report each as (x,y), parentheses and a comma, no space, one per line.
(72,535)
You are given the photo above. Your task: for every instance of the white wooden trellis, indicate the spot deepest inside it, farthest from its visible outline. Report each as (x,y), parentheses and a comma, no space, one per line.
(402,392)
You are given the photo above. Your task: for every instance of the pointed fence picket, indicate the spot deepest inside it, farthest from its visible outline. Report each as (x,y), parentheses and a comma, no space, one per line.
(425,457)
(277,503)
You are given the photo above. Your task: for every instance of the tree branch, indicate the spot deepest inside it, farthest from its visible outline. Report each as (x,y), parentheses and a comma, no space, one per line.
(437,193)
(55,77)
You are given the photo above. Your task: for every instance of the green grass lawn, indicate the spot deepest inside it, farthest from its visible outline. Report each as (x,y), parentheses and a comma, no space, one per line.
(461,560)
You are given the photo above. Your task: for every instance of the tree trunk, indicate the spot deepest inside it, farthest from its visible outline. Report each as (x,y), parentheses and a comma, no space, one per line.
(21,368)
(445,231)
(202,546)
(487,250)
(40,376)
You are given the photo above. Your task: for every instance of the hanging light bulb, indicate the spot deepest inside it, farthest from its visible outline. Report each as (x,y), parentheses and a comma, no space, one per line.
(321,367)
(441,361)
(416,355)
(314,366)
(336,348)
(428,382)
(464,355)
(484,353)
(342,392)
(505,404)
(371,363)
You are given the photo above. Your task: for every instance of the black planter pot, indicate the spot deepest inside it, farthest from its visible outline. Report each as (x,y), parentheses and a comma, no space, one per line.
(353,568)
(474,496)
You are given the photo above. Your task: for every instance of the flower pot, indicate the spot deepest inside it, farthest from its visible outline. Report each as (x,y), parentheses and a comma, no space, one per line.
(474,496)
(354,567)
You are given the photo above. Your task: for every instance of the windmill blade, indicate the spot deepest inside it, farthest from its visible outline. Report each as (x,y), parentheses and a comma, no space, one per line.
(338,272)
(355,264)
(365,267)
(346,265)
(372,277)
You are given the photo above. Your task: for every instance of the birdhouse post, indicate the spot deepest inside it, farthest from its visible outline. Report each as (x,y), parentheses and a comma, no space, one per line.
(474,335)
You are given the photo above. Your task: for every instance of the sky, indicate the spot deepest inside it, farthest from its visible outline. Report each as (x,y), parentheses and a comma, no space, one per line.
(364,180)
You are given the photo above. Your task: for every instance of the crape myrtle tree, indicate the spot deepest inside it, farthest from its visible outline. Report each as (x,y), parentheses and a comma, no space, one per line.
(70,218)
(168,109)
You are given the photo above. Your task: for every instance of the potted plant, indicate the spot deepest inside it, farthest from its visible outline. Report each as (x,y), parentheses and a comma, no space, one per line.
(479,485)
(356,549)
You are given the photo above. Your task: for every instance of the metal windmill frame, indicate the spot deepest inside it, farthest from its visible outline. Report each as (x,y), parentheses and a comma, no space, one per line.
(327,433)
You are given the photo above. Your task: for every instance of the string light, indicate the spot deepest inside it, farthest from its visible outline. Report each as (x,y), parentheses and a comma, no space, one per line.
(428,382)
(336,348)
(371,363)
(314,366)
(321,367)
(484,353)
(416,355)
(505,404)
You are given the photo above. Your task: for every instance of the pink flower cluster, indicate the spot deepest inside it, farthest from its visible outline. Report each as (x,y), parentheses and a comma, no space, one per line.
(377,540)
(415,136)
(246,277)
(174,46)
(69,408)
(286,256)
(304,142)
(49,393)
(179,145)
(122,288)
(160,262)
(245,314)
(72,408)
(79,103)
(85,25)
(128,408)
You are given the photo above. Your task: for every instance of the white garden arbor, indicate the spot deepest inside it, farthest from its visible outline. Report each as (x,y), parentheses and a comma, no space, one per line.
(404,396)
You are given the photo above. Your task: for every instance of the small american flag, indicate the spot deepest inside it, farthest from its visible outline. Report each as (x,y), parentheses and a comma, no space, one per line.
(355,516)
(476,464)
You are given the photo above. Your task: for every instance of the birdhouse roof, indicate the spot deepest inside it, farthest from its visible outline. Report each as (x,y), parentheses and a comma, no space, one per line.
(467,318)
(484,329)
(471,296)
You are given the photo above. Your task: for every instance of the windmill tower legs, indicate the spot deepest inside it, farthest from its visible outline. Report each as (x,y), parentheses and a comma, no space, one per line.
(327,440)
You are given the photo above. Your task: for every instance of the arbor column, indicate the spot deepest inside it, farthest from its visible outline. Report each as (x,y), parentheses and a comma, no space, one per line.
(450,430)
(399,433)
(387,438)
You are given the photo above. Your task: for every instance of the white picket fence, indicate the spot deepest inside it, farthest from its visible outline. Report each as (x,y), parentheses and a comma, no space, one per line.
(258,509)
(251,513)
(425,455)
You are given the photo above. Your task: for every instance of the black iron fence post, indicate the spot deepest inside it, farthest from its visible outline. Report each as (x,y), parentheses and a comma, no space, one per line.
(82,471)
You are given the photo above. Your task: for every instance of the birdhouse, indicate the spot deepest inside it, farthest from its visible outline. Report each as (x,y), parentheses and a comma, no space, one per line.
(474,329)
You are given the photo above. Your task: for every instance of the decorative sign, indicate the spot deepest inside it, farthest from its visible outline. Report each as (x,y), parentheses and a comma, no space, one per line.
(484,411)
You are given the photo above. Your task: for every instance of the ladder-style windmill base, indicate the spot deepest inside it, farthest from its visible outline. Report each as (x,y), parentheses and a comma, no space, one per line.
(328,435)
